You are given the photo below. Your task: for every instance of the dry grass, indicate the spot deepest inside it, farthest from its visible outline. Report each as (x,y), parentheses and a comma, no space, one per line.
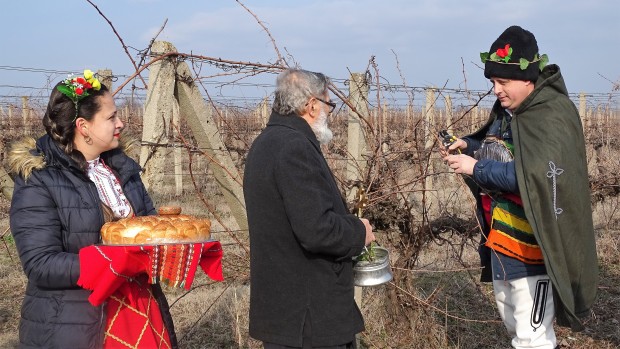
(447,310)
(12,286)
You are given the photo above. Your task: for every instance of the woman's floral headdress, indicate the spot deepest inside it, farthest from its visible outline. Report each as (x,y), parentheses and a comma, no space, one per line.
(77,88)
(503,55)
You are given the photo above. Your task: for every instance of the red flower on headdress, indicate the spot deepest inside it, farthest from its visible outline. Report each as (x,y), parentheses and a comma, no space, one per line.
(503,52)
(79,91)
(81,80)
(87,85)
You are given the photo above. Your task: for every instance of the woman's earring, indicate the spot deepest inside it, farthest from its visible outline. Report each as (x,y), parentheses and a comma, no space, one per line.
(88,140)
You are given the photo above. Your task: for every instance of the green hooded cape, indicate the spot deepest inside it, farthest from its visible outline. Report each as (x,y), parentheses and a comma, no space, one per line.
(550,161)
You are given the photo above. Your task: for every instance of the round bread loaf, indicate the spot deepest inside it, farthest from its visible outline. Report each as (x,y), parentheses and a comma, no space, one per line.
(169,210)
(156,230)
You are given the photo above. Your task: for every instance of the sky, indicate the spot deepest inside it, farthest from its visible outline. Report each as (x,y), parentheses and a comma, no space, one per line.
(436,42)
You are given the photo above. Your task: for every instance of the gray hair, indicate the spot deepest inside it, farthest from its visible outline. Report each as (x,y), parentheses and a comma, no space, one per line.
(293,89)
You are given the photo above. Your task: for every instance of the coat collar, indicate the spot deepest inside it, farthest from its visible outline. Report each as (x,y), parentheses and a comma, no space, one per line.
(53,155)
(123,165)
(295,122)
(549,84)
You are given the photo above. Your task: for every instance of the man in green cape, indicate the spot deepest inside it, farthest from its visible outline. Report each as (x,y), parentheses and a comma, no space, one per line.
(527,168)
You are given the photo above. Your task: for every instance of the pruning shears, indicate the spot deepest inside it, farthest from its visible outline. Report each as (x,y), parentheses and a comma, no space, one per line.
(447,139)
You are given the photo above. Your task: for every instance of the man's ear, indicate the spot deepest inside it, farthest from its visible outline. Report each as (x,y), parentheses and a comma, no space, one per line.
(312,109)
(306,110)
(310,112)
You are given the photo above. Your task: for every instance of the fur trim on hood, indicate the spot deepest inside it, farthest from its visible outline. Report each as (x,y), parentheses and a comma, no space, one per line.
(23,157)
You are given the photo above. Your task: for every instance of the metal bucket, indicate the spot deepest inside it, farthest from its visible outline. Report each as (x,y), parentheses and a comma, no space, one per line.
(375,272)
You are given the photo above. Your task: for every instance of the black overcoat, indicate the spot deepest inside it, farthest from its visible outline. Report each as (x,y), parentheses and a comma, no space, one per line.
(54,213)
(302,240)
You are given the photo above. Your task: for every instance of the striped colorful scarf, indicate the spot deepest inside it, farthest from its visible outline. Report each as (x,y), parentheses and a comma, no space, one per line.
(511,234)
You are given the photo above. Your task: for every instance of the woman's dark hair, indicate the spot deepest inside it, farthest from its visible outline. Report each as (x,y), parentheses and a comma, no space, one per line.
(60,116)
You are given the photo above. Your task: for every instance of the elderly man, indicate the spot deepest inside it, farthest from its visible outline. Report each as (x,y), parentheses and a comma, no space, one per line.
(302,237)
(528,170)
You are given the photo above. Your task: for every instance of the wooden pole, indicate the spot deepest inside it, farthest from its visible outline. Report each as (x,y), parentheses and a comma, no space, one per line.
(265,111)
(25,115)
(356,142)
(375,120)
(226,114)
(608,121)
(3,120)
(474,119)
(582,110)
(356,146)
(205,131)
(588,122)
(127,113)
(449,125)
(409,122)
(429,117)
(158,112)
(177,151)
(105,77)
(221,119)
(384,123)
(6,182)
(11,121)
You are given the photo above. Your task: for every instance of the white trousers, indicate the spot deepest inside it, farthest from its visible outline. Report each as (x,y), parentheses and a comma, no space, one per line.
(526,306)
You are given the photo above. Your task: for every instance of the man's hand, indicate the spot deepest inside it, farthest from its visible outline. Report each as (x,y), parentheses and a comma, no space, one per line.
(370,236)
(461,163)
(458,144)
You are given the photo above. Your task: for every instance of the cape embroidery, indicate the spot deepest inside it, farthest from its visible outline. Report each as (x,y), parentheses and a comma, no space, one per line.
(553,174)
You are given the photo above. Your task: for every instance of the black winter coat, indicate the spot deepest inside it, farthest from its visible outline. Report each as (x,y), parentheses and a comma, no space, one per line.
(54,213)
(302,240)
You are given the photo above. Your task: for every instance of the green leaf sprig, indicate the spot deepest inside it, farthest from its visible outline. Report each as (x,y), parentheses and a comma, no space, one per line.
(502,56)
(369,254)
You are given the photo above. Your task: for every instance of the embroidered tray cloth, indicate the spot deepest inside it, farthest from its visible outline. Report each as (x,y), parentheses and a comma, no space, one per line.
(121,275)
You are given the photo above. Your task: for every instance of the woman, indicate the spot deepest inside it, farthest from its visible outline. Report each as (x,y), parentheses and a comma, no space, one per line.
(67,185)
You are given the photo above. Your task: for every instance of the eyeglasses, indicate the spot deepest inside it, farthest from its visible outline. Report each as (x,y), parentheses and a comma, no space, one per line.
(332,105)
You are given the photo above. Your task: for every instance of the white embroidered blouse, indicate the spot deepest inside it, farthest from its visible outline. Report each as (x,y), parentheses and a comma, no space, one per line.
(109,188)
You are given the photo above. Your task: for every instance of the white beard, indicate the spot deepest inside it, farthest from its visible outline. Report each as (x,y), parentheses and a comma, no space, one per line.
(321,130)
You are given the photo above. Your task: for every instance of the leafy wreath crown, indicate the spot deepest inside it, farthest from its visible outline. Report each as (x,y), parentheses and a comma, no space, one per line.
(503,55)
(77,88)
